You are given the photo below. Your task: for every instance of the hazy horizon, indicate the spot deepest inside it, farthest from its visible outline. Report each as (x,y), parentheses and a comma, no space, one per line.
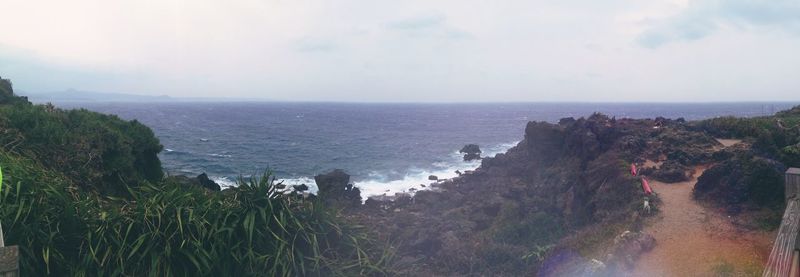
(672,51)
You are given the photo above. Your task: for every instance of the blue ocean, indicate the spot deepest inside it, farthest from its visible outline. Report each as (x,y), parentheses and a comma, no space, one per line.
(387,148)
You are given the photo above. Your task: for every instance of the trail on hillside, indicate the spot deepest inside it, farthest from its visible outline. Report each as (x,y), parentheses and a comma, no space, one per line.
(693,240)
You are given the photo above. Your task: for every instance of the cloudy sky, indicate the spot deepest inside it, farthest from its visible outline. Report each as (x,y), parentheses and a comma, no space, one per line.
(376,50)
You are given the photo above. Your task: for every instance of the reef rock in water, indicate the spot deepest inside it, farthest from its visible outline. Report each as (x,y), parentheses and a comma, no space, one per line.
(471,152)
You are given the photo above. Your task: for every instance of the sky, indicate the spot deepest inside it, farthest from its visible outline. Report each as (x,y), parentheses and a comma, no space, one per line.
(408,51)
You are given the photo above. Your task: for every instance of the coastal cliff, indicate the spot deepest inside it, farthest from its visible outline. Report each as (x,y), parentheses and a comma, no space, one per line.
(562,201)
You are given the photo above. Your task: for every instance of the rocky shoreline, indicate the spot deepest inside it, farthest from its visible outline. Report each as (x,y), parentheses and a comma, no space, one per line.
(563,189)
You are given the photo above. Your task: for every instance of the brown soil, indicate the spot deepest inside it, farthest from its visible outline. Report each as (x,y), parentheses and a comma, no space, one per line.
(693,240)
(653,164)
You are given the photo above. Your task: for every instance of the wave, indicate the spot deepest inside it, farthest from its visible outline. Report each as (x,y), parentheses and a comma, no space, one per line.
(312,186)
(416,179)
(168,151)
(224,182)
(220,155)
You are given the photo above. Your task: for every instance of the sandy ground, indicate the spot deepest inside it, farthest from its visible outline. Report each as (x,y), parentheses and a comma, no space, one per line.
(728,142)
(695,241)
(650,163)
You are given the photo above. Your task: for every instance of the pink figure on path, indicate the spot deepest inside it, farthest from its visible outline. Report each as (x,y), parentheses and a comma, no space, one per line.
(646,187)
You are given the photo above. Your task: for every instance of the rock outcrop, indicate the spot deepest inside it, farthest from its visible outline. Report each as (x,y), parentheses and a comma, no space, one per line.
(201,180)
(207,183)
(563,183)
(471,152)
(335,188)
(559,179)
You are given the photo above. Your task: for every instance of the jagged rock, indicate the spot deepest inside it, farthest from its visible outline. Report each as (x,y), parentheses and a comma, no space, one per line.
(300,188)
(207,183)
(471,152)
(470,149)
(201,180)
(335,187)
(566,121)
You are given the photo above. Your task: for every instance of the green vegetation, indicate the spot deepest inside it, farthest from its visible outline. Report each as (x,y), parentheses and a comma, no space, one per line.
(84,196)
(96,151)
(776,136)
(753,175)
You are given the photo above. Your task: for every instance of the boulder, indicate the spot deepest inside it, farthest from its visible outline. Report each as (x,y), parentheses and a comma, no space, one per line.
(472,157)
(433,178)
(471,152)
(201,180)
(205,182)
(334,187)
(470,149)
(300,187)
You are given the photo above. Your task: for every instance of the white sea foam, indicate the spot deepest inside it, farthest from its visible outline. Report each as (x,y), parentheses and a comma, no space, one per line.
(416,179)
(224,182)
(312,186)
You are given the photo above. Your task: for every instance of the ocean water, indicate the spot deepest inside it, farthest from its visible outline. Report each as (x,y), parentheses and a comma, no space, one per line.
(386,148)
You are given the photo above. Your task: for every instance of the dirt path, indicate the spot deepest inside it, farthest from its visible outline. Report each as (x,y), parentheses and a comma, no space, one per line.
(728,142)
(695,241)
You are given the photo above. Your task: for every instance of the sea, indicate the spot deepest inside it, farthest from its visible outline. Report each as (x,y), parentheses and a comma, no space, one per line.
(386,148)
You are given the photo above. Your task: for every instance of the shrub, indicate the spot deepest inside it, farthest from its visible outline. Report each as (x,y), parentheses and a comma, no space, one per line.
(98,152)
(166,230)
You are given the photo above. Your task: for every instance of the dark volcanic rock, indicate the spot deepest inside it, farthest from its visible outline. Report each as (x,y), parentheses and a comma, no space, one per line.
(300,187)
(335,187)
(433,178)
(470,149)
(207,183)
(471,152)
(560,180)
(201,180)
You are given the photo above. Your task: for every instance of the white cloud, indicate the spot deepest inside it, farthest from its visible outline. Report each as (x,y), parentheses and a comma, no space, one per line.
(355,50)
(701,18)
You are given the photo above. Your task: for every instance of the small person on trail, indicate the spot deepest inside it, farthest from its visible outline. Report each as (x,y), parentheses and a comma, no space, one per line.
(646,205)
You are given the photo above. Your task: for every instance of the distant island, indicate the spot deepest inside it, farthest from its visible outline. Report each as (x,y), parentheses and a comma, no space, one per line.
(78,96)
(73,95)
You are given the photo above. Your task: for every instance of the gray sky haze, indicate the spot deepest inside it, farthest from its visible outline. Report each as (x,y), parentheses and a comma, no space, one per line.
(408,51)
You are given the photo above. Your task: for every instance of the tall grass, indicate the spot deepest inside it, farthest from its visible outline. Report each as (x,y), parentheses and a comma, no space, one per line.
(168,230)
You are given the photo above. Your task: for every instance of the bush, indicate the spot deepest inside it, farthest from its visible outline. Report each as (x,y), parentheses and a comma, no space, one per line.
(98,152)
(166,230)
(765,133)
